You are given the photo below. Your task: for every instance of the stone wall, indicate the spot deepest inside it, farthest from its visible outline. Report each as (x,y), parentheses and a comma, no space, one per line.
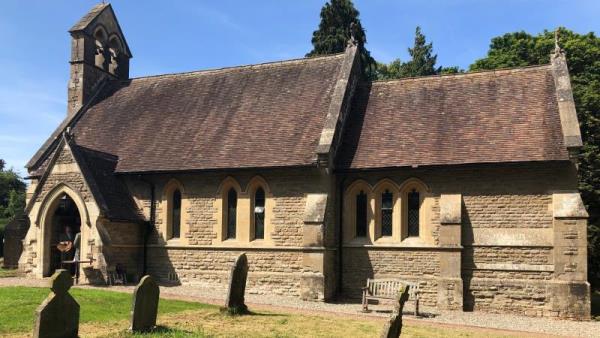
(270,270)
(508,255)
(278,264)
(421,266)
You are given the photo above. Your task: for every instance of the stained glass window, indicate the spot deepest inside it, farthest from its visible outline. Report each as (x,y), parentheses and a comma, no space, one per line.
(231,213)
(259,214)
(361,214)
(387,203)
(176,215)
(413,213)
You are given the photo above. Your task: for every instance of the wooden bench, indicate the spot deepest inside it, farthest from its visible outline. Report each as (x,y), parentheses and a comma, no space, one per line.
(388,289)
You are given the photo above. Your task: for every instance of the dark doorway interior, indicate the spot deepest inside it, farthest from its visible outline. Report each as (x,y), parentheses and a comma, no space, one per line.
(65,215)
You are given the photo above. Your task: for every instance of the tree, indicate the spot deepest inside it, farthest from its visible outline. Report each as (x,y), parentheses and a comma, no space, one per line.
(339,23)
(583,58)
(422,62)
(12,193)
(389,71)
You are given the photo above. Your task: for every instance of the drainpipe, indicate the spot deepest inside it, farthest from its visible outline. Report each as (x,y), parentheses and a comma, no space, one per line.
(341,232)
(148,225)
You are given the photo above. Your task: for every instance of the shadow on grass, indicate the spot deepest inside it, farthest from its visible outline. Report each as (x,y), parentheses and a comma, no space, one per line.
(245,312)
(163,331)
(251,313)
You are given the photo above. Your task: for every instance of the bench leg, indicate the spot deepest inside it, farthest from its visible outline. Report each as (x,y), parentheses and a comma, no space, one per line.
(365,303)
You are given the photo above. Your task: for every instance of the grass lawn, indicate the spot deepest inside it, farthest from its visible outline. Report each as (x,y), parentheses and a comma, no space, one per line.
(106,314)
(18,304)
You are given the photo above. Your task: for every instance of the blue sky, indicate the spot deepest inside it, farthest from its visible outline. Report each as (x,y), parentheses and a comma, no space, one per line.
(178,35)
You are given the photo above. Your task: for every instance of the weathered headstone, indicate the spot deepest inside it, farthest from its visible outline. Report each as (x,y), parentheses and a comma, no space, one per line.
(237,286)
(58,315)
(145,305)
(393,327)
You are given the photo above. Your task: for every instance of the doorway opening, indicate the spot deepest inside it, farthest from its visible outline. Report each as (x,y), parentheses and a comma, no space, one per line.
(64,225)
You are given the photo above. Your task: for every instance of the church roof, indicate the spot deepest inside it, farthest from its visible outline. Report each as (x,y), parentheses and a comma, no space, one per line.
(266,115)
(89,17)
(110,192)
(495,116)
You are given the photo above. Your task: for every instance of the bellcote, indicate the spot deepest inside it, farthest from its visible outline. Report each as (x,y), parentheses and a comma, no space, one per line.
(99,51)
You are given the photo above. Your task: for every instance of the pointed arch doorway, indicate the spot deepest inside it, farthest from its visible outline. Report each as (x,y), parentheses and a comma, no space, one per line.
(62,224)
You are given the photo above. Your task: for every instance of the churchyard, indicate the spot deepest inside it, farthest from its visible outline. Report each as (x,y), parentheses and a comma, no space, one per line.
(106,312)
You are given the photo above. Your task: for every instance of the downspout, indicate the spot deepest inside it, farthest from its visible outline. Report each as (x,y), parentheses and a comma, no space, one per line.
(149,224)
(341,237)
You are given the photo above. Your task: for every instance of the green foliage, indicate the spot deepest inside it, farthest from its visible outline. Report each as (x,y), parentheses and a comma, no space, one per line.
(12,192)
(339,22)
(583,59)
(18,304)
(422,62)
(389,71)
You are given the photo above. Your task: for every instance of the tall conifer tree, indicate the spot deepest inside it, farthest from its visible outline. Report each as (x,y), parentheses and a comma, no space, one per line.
(421,63)
(422,60)
(339,22)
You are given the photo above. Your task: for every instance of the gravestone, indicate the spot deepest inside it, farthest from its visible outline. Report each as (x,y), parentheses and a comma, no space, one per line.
(145,305)
(58,315)
(393,327)
(237,286)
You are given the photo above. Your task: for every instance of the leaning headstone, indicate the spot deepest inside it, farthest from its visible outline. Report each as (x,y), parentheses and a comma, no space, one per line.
(58,315)
(393,327)
(145,305)
(237,286)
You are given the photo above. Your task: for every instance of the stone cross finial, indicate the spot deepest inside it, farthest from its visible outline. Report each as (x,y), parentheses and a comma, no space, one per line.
(352,41)
(61,282)
(557,49)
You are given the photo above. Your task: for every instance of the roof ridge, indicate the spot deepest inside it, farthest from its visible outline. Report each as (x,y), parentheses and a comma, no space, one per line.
(472,73)
(241,67)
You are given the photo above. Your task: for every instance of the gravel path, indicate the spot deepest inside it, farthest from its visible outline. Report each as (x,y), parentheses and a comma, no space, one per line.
(536,326)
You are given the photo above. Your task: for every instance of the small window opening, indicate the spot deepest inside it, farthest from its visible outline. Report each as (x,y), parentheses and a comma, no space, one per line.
(231,213)
(259,214)
(413,213)
(176,215)
(361,214)
(387,204)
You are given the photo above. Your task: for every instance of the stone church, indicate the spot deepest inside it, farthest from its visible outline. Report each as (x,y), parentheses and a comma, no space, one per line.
(465,184)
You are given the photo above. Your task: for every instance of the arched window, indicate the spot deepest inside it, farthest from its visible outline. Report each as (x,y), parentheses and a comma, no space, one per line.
(231,214)
(361,214)
(413,208)
(101,56)
(259,214)
(115,55)
(387,213)
(176,214)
